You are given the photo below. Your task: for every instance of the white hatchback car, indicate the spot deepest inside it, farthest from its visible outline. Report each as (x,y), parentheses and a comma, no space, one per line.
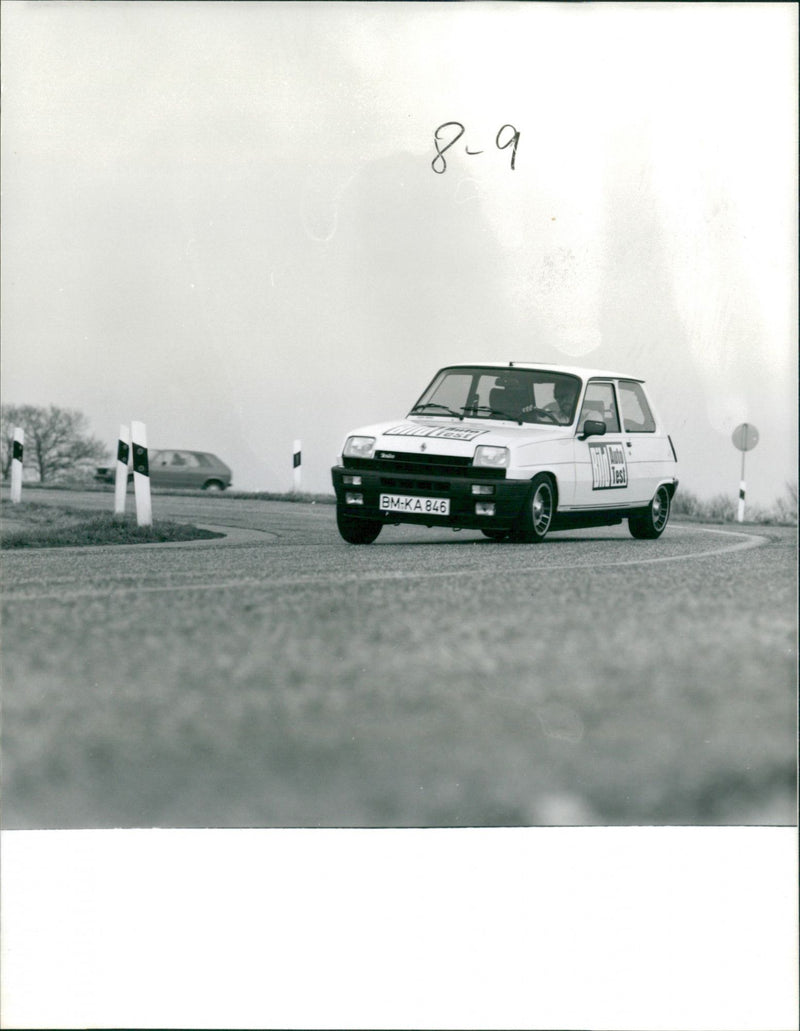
(514,450)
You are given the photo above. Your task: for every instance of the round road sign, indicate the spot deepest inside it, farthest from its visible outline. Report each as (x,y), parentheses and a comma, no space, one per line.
(745,437)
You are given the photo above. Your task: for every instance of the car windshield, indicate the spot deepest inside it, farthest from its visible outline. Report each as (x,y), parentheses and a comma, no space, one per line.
(519,395)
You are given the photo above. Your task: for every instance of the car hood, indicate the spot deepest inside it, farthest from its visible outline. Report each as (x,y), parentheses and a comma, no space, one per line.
(455,436)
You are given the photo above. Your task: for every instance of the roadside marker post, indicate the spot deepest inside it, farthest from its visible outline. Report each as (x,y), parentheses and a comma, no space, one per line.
(745,438)
(296,465)
(16,464)
(121,481)
(141,475)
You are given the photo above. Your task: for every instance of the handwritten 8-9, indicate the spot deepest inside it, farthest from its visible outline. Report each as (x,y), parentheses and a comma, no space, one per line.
(450,133)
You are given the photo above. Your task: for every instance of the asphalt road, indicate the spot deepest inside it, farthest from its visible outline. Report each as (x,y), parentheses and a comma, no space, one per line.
(280,677)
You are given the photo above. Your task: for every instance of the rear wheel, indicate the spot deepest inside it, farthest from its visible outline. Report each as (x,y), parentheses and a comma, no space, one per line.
(357,531)
(651,522)
(538,511)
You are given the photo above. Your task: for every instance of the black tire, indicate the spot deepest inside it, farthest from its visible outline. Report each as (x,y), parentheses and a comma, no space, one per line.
(357,531)
(495,535)
(538,511)
(652,521)
(213,485)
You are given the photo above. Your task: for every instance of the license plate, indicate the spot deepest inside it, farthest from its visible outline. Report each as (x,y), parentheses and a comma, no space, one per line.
(415,506)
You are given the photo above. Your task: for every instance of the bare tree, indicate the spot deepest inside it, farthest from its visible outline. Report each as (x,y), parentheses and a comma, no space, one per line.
(56,439)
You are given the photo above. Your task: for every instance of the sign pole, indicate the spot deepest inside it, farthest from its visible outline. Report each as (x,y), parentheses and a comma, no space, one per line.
(296,465)
(745,438)
(121,480)
(16,464)
(141,475)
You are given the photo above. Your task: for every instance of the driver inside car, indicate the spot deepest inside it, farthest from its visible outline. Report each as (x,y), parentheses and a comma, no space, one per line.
(565,393)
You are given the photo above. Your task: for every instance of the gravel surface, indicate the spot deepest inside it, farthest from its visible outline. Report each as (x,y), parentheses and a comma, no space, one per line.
(283,678)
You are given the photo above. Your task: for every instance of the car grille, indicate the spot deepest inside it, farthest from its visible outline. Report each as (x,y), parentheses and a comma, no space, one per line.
(418,465)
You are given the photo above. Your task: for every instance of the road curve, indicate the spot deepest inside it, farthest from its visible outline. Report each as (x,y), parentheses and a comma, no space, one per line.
(279,677)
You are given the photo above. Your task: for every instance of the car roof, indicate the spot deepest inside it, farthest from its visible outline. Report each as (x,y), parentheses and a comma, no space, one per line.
(571,370)
(188,450)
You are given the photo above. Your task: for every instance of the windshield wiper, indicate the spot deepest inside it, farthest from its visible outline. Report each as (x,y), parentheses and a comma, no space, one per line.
(434,404)
(494,411)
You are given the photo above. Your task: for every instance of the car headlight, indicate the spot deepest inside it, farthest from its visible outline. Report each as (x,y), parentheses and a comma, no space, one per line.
(489,457)
(359,447)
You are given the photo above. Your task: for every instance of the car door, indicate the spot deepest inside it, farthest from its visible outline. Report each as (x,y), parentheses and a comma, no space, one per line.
(650,455)
(185,471)
(160,468)
(177,469)
(192,471)
(602,475)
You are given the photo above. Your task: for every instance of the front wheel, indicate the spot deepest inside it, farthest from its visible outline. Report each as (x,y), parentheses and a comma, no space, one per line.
(651,522)
(213,486)
(357,531)
(538,511)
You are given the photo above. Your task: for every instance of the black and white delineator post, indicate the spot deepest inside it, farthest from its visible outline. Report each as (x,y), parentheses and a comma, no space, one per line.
(121,481)
(745,438)
(16,464)
(296,464)
(141,475)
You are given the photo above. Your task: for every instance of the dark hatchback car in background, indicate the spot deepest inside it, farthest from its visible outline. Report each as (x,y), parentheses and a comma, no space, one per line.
(190,470)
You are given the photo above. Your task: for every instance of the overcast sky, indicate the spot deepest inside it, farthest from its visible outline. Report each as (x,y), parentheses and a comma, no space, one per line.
(222,219)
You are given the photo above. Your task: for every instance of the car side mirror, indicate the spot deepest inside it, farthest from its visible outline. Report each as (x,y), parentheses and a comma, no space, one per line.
(592,428)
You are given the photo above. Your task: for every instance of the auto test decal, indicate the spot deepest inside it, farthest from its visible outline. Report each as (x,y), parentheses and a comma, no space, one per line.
(433,431)
(609,468)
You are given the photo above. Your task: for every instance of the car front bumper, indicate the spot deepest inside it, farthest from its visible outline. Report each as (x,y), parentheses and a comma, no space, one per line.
(467,508)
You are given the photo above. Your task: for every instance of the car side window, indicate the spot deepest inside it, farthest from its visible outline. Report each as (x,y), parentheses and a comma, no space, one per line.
(636,414)
(186,459)
(600,404)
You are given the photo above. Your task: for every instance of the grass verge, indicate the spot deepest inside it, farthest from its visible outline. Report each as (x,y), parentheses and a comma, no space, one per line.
(31,525)
(723,508)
